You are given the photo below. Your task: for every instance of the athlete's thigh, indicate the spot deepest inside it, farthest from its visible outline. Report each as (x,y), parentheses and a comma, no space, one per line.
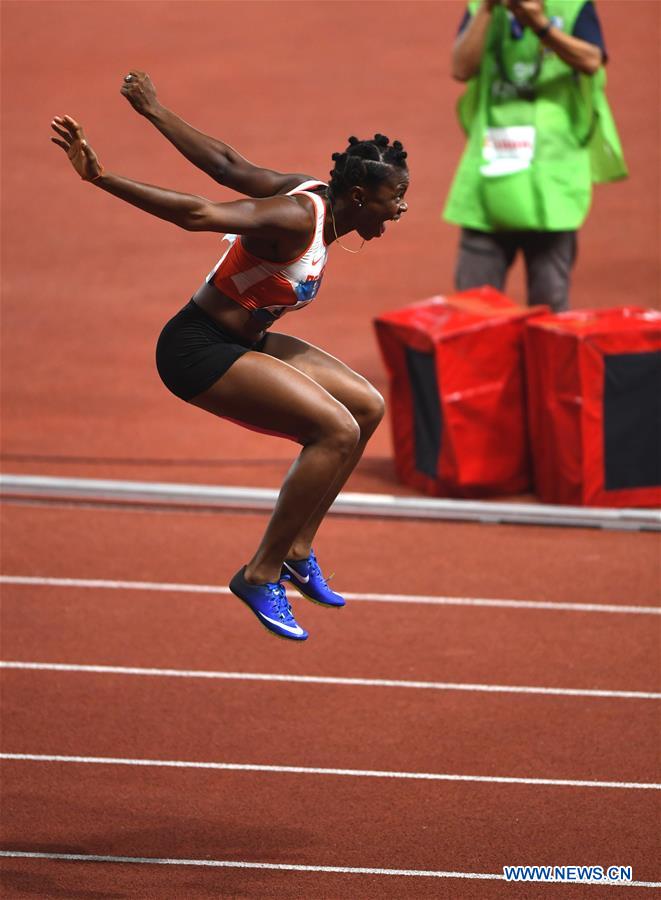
(347,386)
(267,394)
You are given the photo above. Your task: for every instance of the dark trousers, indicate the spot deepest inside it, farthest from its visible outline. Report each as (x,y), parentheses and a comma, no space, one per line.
(485,258)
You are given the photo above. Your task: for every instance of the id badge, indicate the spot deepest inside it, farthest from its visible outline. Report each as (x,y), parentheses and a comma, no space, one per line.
(507,150)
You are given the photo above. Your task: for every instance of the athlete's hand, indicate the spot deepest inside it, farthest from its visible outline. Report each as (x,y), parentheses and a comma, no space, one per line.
(139,90)
(72,141)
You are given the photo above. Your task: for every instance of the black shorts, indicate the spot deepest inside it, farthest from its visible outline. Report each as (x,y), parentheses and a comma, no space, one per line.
(193,352)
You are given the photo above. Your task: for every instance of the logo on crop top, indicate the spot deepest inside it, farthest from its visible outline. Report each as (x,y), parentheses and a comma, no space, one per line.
(307,290)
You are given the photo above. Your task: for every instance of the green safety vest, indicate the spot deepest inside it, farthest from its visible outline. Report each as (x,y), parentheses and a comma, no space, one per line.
(539,134)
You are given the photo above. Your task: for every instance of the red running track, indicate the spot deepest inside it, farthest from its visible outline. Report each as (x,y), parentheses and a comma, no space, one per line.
(324,819)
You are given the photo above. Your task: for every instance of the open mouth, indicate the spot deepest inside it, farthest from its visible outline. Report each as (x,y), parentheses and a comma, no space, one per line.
(382,227)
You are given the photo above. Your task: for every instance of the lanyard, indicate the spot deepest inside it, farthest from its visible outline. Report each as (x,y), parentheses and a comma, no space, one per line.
(524,89)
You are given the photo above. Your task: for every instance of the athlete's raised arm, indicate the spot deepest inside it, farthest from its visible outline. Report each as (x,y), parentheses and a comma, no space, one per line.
(214,157)
(279,218)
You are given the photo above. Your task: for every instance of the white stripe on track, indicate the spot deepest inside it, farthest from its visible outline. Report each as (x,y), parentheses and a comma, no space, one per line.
(38,581)
(322,679)
(239,864)
(307,770)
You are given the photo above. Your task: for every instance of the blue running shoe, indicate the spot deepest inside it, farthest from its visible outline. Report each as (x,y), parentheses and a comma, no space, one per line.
(306,576)
(269,603)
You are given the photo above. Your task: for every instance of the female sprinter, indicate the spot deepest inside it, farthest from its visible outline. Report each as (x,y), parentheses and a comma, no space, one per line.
(216,352)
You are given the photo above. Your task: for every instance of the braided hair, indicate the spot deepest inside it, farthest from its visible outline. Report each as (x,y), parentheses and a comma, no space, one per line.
(365,163)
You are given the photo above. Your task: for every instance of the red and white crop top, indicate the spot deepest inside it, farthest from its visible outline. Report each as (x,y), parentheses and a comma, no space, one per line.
(270,289)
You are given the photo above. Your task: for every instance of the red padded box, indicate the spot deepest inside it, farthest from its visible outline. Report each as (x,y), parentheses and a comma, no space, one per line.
(457,398)
(594,406)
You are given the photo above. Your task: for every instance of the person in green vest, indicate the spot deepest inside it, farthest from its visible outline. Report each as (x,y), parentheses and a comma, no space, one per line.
(539,134)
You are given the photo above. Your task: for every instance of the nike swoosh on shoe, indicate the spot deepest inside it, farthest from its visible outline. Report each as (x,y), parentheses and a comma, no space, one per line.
(297,630)
(302,578)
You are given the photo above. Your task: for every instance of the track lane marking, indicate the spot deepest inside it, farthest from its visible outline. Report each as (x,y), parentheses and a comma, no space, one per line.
(310,770)
(240,864)
(322,679)
(287,867)
(106,584)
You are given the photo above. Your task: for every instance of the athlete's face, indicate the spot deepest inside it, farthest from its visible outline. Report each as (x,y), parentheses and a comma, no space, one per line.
(381,204)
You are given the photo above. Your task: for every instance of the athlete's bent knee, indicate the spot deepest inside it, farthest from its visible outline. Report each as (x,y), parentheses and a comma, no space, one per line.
(376,408)
(342,434)
(369,411)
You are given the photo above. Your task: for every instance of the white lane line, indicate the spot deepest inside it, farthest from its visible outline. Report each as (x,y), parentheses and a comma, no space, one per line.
(322,679)
(168,587)
(287,867)
(307,770)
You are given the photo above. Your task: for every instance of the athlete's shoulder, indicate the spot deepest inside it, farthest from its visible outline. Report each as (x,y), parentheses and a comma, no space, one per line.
(294,213)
